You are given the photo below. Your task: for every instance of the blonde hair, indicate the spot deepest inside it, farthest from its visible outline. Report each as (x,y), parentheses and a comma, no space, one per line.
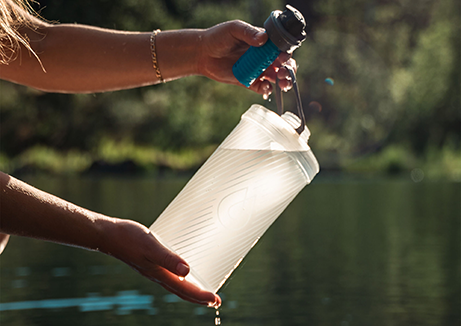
(13,16)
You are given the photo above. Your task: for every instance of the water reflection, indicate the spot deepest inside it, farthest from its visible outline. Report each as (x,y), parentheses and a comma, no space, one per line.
(345,252)
(124,303)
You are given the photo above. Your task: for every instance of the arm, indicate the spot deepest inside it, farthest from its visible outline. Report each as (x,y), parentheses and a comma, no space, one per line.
(27,211)
(82,59)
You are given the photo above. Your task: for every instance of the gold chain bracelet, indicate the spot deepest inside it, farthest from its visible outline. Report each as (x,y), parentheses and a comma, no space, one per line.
(154,55)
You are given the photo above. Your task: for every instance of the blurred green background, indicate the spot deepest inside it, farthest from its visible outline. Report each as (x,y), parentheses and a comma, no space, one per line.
(348,251)
(394,106)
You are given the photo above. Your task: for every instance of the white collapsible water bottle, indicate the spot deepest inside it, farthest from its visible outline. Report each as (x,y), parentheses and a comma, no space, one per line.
(238,193)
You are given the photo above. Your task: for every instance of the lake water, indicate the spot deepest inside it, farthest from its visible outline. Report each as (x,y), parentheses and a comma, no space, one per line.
(345,252)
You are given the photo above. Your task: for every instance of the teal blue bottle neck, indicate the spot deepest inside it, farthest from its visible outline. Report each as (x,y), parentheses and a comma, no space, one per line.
(254,62)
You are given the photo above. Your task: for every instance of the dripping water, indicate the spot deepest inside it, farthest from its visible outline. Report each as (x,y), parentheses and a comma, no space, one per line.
(217,320)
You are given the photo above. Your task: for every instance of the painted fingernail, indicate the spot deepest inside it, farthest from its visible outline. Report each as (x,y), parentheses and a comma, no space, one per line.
(182,269)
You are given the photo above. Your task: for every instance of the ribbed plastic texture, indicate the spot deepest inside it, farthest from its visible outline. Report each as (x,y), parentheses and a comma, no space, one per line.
(254,61)
(235,196)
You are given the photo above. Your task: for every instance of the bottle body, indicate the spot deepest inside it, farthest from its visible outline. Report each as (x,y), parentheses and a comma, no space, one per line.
(234,197)
(254,62)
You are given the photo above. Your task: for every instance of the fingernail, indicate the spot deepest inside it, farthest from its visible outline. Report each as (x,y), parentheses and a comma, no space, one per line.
(258,36)
(182,269)
(215,304)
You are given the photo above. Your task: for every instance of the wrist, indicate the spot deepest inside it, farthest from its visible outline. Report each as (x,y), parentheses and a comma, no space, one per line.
(119,237)
(108,229)
(178,53)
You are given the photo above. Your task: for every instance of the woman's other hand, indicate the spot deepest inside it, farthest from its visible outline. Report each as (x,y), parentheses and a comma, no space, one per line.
(136,246)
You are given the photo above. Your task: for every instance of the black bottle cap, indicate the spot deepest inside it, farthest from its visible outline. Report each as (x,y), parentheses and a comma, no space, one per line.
(286,29)
(293,22)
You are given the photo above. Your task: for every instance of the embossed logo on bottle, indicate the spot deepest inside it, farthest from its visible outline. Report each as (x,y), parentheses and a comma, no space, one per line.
(235,210)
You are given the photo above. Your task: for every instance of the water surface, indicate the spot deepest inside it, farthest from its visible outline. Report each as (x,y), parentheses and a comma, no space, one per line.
(345,252)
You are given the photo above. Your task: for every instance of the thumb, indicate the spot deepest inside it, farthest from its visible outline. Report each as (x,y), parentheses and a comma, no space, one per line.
(173,263)
(249,34)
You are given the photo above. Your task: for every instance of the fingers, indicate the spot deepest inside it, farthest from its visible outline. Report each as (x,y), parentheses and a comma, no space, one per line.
(145,254)
(167,259)
(275,71)
(279,68)
(168,273)
(186,290)
(284,78)
(247,33)
(265,88)
(262,87)
(173,263)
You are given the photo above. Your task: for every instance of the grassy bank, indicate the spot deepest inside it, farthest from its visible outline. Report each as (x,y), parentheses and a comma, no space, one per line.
(127,157)
(435,163)
(109,156)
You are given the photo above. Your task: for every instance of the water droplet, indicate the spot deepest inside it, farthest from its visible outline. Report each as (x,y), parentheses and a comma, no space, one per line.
(329,81)
(181,278)
(417,175)
(265,96)
(217,320)
(315,106)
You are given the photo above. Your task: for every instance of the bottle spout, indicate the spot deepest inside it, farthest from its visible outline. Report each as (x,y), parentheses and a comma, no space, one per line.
(295,122)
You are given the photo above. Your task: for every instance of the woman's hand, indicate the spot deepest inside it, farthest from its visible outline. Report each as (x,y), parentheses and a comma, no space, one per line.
(27,211)
(222,45)
(136,246)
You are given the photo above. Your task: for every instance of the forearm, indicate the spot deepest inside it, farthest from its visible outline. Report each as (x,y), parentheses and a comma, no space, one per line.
(27,211)
(84,59)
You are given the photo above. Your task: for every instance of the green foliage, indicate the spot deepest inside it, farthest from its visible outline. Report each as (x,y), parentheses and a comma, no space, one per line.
(443,163)
(396,95)
(45,159)
(395,103)
(393,160)
(436,163)
(149,157)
